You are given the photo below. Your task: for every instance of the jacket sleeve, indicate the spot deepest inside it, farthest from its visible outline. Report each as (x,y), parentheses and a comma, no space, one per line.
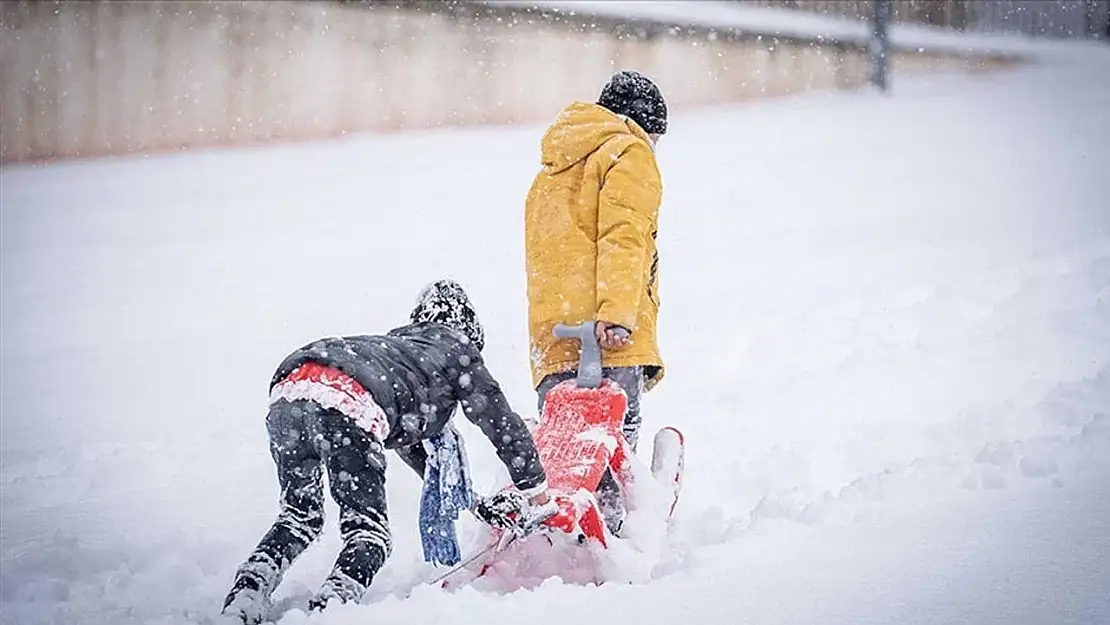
(628,209)
(415,456)
(484,404)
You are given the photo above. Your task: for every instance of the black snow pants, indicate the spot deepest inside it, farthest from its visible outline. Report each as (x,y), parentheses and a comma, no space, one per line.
(305,440)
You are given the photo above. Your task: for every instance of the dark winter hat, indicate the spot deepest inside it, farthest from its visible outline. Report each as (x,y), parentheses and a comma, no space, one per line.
(444,301)
(632,94)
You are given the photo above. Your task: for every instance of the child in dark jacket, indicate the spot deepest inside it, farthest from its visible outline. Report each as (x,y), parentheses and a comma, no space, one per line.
(338,403)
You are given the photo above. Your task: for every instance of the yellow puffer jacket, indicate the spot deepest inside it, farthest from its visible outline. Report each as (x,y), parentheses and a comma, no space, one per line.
(590,226)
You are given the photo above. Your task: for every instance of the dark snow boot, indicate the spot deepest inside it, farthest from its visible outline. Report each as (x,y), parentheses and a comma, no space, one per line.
(338,588)
(610,500)
(247,600)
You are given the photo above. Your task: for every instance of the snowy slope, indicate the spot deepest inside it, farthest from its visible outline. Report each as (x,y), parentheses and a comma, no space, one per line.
(887,322)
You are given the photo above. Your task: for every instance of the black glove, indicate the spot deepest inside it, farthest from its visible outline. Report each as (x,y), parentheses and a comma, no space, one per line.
(509,509)
(502,509)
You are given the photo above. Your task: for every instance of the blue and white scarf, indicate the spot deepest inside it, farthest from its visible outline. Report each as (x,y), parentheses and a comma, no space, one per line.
(447,492)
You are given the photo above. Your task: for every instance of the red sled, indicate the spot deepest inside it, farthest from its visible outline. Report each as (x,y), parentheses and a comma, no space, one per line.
(578,438)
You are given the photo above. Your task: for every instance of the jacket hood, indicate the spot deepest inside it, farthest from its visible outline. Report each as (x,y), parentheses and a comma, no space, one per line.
(578,131)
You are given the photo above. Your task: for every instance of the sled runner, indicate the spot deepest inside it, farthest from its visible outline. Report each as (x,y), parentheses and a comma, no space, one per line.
(578,438)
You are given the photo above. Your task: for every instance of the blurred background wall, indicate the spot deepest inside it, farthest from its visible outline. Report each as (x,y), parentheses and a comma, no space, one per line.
(96,78)
(1049,18)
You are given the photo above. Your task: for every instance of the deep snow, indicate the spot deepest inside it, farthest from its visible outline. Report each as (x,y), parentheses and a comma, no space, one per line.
(887,321)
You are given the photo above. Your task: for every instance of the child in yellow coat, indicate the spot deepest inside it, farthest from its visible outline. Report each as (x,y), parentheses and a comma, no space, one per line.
(591,221)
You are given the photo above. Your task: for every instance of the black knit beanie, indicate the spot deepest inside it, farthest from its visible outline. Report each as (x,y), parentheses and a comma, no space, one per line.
(632,94)
(445,302)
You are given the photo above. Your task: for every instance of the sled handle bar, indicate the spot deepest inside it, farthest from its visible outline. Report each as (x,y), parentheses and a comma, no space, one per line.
(589,363)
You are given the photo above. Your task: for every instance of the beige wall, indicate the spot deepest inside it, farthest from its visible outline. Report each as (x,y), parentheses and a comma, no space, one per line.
(94,78)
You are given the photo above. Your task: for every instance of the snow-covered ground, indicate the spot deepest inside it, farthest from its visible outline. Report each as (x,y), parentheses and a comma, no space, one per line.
(887,321)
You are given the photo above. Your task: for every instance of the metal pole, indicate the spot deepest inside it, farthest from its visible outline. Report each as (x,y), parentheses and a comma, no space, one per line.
(879,46)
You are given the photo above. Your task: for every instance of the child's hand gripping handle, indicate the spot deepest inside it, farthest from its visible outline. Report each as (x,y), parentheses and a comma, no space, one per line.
(589,363)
